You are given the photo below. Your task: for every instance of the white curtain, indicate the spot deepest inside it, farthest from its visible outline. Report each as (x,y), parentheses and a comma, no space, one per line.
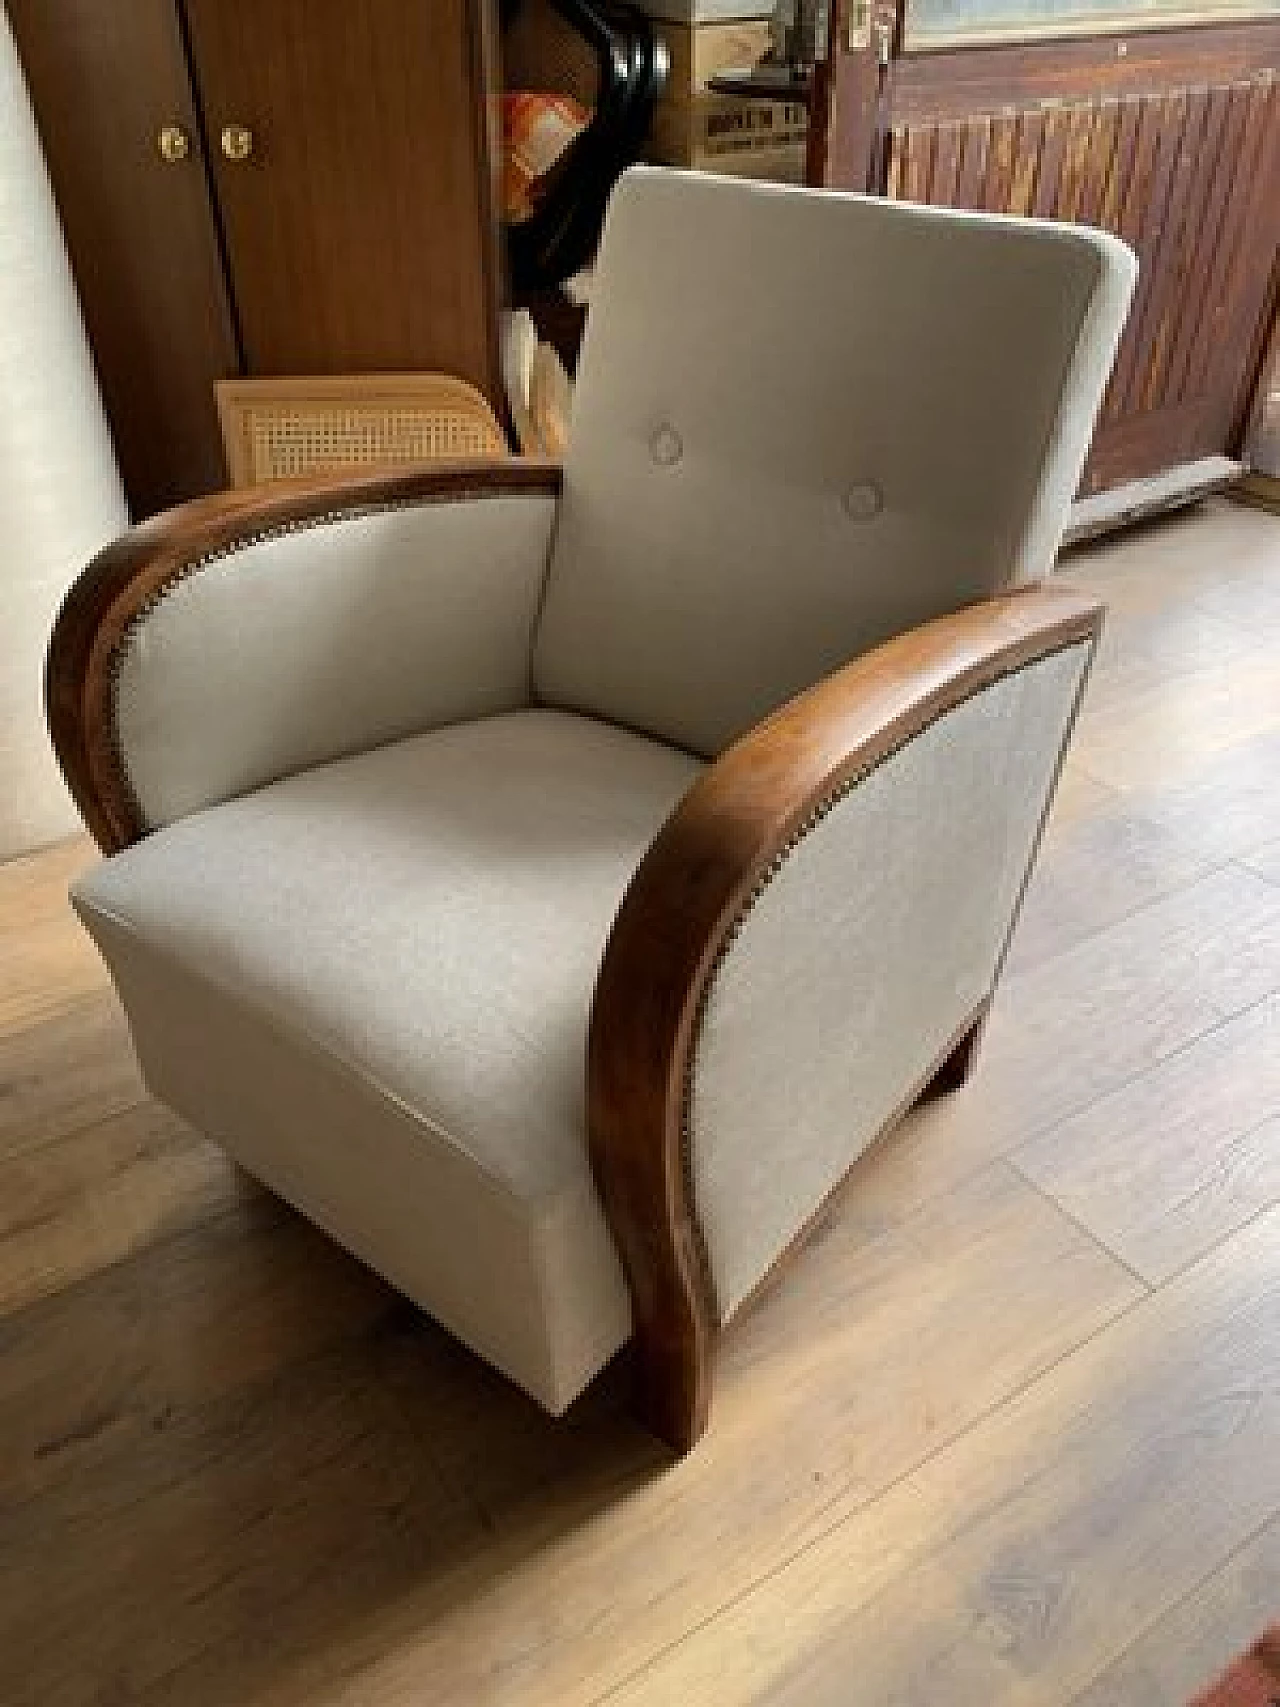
(60,494)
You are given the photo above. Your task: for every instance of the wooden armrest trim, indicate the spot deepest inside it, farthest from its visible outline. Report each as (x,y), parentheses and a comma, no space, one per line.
(685,906)
(132,575)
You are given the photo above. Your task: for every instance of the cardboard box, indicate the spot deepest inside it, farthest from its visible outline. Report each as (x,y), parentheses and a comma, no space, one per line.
(740,136)
(720,127)
(700,52)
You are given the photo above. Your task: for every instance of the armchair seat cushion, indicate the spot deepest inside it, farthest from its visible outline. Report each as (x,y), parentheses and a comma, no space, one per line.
(371,982)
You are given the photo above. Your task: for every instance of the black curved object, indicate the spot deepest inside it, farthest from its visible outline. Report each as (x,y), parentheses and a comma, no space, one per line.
(561,235)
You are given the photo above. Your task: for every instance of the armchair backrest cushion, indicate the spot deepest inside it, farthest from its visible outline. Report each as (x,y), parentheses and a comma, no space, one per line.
(804,422)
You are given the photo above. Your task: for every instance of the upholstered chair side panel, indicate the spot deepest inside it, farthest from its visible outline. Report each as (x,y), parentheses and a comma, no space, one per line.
(1083,385)
(242,637)
(861,958)
(809,945)
(315,643)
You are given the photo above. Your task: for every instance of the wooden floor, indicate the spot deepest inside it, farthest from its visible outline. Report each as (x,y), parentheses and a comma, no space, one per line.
(1008,1433)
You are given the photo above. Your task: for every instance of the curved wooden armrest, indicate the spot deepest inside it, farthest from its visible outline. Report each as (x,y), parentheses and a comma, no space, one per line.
(718,846)
(120,583)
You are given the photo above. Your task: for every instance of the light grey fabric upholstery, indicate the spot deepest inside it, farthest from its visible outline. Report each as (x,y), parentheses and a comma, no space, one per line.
(804,423)
(371,983)
(326,640)
(862,959)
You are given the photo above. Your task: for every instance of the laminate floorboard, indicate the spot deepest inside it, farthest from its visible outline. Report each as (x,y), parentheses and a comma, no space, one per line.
(1193,1642)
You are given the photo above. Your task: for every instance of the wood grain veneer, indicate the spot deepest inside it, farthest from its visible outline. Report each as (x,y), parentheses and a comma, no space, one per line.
(361,231)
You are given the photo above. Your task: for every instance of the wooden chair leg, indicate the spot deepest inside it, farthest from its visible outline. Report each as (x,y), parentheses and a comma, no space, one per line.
(672,1393)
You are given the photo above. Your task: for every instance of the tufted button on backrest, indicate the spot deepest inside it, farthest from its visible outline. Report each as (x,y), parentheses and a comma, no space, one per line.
(666,447)
(803,423)
(863,501)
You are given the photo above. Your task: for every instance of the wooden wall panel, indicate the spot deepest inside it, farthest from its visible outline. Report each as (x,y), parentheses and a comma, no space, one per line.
(1186,175)
(1262,442)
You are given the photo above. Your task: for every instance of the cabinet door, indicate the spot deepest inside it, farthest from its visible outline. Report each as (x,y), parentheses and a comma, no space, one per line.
(359,223)
(105,80)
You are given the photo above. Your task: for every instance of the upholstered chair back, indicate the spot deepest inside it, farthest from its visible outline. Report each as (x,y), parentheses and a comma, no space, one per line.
(804,423)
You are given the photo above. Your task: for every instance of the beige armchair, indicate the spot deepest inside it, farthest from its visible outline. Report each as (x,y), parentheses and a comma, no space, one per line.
(514,871)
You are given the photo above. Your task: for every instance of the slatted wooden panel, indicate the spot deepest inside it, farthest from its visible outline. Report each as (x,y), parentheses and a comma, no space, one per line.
(1186,176)
(1262,445)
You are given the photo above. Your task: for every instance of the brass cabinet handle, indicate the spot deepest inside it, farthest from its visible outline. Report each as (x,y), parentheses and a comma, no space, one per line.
(173,141)
(237,142)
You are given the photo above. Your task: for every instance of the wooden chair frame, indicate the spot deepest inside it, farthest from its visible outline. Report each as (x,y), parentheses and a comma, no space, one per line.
(728,836)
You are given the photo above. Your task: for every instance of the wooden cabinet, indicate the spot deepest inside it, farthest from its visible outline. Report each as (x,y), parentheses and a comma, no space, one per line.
(286,187)
(1093,111)
(141,230)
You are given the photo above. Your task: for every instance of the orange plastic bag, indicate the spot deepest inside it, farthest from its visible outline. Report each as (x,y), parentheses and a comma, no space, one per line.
(536,131)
